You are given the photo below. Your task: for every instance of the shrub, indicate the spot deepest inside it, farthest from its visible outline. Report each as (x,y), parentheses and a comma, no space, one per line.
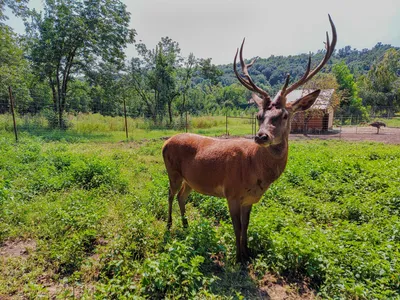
(175,273)
(93,173)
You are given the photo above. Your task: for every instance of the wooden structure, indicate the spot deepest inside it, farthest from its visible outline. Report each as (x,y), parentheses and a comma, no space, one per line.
(319,118)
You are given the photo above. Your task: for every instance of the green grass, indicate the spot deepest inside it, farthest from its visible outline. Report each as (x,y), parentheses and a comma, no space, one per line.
(95,127)
(97,213)
(393,122)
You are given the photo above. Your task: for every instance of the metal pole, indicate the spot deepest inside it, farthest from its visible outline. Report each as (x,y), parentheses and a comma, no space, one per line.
(255,125)
(226,123)
(252,126)
(126,121)
(186,122)
(12,112)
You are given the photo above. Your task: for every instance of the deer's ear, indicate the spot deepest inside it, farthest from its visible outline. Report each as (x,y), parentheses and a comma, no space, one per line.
(305,102)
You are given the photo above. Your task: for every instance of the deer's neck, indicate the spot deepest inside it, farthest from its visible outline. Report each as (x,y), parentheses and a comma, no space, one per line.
(275,160)
(279,151)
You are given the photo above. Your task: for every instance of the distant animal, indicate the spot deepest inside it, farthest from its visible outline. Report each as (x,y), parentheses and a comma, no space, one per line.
(239,170)
(378,125)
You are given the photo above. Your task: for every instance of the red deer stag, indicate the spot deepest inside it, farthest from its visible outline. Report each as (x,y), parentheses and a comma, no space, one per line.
(239,170)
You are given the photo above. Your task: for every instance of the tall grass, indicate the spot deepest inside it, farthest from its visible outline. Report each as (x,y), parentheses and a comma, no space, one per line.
(107,128)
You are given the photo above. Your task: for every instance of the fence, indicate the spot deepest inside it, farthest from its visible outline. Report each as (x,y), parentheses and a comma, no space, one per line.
(97,127)
(247,125)
(122,125)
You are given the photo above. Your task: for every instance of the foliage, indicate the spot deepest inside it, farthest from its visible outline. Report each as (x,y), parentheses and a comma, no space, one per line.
(175,273)
(380,88)
(351,103)
(209,72)
(71,36)
(13,71)
(154,77)
(18,7)
(331,220)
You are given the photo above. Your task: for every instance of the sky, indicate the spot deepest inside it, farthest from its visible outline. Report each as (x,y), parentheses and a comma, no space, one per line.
(215,28)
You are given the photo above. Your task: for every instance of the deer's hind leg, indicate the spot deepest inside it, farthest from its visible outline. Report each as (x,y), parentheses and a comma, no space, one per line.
(182,196)
(175,182)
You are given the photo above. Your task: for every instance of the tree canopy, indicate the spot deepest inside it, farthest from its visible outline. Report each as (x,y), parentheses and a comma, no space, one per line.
(71,37)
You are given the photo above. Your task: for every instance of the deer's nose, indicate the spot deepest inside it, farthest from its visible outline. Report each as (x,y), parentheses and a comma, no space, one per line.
(261,137)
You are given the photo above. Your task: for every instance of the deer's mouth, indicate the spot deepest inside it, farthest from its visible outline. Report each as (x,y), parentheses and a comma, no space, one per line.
(263,140)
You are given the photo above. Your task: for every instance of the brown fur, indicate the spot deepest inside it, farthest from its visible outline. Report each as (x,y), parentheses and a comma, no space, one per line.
(239,170)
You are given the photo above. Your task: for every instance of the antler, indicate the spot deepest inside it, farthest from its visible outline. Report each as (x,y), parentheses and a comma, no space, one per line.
(247,81)
(307,76)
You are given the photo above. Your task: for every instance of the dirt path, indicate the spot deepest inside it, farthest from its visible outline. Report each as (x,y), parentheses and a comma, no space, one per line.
(386,135)
(389,135)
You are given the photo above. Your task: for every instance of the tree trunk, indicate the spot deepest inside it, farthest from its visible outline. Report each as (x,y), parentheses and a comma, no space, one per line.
(170,112)
(54,92)
(183,104)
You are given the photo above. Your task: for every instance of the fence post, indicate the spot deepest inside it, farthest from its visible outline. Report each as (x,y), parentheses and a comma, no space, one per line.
(186,122)
(12,112)
(356,123)
(252,125)
(226,123)
(126,121)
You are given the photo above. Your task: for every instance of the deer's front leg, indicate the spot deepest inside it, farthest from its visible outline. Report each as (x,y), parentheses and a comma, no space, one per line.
(245,218)
(234,210)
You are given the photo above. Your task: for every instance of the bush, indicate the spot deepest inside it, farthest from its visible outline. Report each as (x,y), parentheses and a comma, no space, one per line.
(175,273)
(94,173)
(53,120)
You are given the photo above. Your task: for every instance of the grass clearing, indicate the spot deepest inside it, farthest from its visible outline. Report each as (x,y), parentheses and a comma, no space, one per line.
(98,128)
(96,215)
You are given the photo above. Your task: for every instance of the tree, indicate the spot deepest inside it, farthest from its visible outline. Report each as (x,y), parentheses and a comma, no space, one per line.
(350,102)
(73,36)
(104,84)
(154,77)
(185,74)
(380,88)
(18,7)
(209,72)
(14,71)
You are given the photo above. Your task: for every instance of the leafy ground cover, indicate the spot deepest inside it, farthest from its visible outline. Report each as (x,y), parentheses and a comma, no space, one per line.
(89,220)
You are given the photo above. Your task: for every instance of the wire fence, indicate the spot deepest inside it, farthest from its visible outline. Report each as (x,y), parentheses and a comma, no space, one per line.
(316,126)
(124,123)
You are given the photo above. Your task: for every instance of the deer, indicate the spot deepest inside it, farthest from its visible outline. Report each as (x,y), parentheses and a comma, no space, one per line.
(240,169)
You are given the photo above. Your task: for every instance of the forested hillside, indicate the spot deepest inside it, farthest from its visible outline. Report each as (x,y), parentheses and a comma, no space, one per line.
(271,71)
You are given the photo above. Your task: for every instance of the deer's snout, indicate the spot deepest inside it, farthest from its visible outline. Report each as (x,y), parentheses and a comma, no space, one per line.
(262,138)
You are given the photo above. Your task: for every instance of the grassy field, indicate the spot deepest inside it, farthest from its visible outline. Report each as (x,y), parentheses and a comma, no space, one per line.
(90,219)
(95,127)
